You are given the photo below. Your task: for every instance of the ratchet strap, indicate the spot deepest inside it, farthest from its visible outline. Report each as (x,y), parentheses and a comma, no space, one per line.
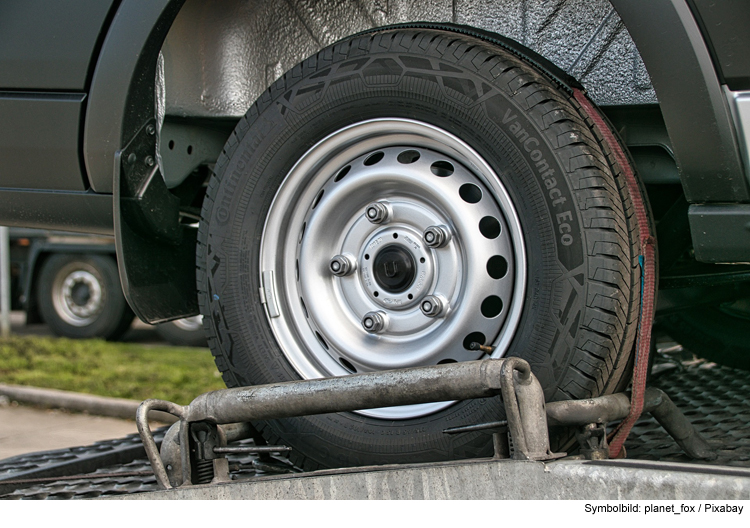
(647,263)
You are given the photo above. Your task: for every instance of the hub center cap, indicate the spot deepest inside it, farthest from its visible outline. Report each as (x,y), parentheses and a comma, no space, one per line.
(394,269)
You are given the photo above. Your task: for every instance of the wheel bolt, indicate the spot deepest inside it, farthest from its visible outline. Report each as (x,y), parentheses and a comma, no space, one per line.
(378,212)
(436,236)
(342,265)
(431,306)
(374,322)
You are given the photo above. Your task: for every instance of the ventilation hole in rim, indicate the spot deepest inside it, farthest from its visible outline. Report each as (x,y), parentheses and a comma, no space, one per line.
(492,306)
(497,267)
(470,193)
(304,308)
(395,235)
(347,365)
(376,294)
(302,232)
(190,150)
(408,156)
(489,227)
(374,158)
(322,341)
(367,257)
(442,168)
(421,260)
(317,198)
(343,172)
(410,296)
(296,269)
(171,144)
(446,361)
(474,337)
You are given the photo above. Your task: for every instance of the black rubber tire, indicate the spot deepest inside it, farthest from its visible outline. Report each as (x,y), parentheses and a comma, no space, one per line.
(114,317)
(178,335)
(577,329)
(711,333)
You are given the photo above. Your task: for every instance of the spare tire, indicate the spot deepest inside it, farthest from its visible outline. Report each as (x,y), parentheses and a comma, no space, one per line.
(396,200)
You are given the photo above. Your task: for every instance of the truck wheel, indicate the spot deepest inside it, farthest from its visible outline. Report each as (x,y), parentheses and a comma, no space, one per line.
(714,332)
(395,200)
(183,332)
(80,296)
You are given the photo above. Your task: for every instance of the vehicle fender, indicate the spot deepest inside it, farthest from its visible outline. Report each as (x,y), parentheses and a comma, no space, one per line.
(692,101)
(134,39)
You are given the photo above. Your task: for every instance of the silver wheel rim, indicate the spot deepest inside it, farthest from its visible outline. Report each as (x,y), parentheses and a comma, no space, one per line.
(424,177)
(77,294)
(190,324)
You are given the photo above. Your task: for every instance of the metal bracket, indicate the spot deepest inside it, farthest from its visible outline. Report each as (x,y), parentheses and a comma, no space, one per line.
(593,441)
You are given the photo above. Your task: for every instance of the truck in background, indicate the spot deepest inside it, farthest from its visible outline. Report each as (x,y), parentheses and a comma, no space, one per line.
(70,281)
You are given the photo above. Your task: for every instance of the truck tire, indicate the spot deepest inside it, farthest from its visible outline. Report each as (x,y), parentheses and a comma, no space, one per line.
(397,199)
(79,296)
(183,332)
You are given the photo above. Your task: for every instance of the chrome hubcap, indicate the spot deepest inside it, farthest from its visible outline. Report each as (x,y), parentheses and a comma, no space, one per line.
(430,241)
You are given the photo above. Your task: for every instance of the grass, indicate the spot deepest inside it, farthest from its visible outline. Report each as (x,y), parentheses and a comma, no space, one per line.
(99,367)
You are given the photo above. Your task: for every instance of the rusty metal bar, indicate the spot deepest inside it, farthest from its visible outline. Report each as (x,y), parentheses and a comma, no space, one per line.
(457,381)
(617,406)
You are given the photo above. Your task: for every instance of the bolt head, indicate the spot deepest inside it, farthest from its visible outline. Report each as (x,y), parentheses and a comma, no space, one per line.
(436,236)
(378,212)
(431,306)
(341,265)
(374,322)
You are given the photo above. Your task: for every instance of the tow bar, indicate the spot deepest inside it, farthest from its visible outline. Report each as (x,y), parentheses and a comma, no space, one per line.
(195,448)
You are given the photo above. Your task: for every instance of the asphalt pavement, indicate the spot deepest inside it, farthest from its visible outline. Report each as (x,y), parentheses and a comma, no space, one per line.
(26,429)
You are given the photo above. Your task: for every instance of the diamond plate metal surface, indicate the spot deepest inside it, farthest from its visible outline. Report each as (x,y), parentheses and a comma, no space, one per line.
(110,479)
(715,399)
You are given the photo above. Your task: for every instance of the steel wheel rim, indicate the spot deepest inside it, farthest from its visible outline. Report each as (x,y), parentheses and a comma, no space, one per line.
(190,324)
(65,299)
(319,212)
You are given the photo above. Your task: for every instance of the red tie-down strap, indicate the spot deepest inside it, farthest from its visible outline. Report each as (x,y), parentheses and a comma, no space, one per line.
(647,261)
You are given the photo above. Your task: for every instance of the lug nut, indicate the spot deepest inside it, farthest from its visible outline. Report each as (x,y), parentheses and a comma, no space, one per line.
(436,236)
(374,322)
(378,212)
(431,306)
(342,265)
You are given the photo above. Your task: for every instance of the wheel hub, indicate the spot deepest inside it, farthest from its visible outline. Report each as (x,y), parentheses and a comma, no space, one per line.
(77,295)
(394,269)
(424,242)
